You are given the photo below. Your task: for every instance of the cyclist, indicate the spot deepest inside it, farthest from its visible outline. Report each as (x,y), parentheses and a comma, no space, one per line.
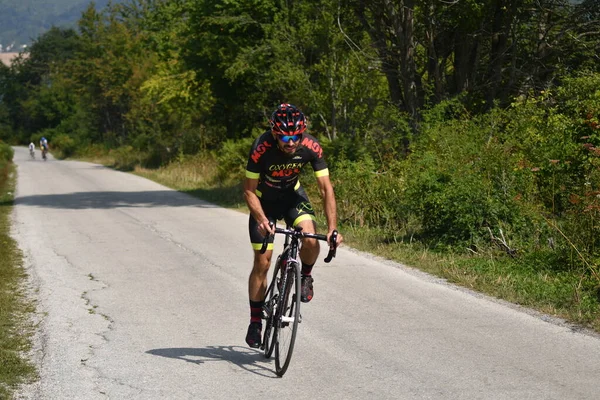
(272,191)
(31,149)
(44,146)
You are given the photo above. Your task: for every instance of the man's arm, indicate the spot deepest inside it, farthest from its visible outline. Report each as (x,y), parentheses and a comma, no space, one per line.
(329,205)
(254,206)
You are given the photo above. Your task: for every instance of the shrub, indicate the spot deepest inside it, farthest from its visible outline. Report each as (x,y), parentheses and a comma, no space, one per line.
(126,158)
(232,158)
(64,144)
(369,196)
(6,152)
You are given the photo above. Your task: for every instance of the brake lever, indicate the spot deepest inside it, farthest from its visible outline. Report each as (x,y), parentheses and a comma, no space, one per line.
(266,240)
(332,246)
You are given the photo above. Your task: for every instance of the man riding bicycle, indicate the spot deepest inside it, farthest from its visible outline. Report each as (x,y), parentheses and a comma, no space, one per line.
(272,191)
(43,144)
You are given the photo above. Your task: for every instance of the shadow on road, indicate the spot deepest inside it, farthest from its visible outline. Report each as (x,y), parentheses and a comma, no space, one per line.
(105,200)
(248,359)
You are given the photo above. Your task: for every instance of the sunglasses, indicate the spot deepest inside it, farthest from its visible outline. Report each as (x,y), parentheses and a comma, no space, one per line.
(289,138)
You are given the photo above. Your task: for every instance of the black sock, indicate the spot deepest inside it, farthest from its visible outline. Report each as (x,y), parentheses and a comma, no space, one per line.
(256,311)
(307,269)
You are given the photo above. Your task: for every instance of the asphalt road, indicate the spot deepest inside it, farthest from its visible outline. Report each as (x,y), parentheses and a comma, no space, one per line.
(142,294)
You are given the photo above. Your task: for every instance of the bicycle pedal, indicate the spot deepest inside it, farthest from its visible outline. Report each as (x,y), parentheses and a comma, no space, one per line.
(265,313)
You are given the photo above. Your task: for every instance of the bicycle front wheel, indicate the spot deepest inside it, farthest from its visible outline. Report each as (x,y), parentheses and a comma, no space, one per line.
(287,322)
(270,311)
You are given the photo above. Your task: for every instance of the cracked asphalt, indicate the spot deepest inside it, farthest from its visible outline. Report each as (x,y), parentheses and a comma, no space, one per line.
(141,293)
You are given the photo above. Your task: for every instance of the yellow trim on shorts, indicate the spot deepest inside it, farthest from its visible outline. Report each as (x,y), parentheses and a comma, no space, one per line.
(297,186)
(323,172)
(258,193)
(252,175)
(258,246)
(304,217)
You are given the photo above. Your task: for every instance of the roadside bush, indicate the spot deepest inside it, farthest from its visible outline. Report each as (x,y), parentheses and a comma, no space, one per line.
(125,158)
(6,152)
(462,180)
(64,145)
(558,136)
(232,158)
(368,196)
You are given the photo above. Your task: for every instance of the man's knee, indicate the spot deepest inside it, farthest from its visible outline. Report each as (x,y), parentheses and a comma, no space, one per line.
(310,244)
(262,262)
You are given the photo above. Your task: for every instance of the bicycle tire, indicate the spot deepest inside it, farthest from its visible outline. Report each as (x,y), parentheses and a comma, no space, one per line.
(288,318)
(271,307)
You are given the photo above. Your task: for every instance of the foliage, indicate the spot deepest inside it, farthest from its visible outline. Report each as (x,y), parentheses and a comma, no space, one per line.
(469,125)
(232,158)
(463,181)
(368,197)
(6,152)
(64,144)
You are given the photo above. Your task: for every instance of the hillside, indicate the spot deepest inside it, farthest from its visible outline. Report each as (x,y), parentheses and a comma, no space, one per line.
(22,21)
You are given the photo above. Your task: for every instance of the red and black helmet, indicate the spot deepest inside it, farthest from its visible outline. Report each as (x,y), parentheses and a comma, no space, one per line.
(287,120)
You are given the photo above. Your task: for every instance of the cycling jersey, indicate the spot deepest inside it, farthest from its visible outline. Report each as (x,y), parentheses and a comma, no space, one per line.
(278,173)
(279,190)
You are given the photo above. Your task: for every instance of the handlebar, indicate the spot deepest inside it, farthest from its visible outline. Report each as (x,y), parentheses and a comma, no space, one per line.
(297,233)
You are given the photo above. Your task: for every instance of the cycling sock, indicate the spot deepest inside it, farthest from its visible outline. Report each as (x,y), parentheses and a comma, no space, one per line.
(307,269)
(256,311)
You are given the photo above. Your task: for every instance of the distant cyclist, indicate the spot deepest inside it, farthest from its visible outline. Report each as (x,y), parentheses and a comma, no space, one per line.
(272,191)
(44,146)
(32,149)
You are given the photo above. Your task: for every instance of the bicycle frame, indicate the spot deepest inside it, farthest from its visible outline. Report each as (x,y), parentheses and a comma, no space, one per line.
(285,265)
(282,312)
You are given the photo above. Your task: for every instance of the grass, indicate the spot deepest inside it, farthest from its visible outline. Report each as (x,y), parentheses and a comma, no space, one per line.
(200,178)
(15,330)
(525,281)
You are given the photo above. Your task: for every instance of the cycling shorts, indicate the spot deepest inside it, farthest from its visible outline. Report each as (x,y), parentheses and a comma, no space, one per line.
(293,207)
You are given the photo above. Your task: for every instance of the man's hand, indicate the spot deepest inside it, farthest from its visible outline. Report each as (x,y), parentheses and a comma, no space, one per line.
(339,238)
(266,227)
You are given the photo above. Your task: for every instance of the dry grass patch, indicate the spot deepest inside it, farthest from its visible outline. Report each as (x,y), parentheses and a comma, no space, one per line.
(15,330)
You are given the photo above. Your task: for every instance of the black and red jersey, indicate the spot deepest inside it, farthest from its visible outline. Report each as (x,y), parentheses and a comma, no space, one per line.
(277,172)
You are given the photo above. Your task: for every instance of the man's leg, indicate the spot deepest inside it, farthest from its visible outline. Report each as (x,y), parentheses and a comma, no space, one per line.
(257,285)
(308,254)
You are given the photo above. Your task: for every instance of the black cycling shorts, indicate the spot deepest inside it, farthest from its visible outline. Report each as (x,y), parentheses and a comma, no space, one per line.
(293,207)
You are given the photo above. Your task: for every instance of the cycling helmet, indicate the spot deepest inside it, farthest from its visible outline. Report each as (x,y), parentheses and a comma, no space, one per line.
(287,120)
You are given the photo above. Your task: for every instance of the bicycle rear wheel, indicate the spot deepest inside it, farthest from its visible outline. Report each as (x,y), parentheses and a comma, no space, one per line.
(287,321)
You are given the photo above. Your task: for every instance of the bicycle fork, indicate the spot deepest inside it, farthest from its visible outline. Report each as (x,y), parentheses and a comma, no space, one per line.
(285,318)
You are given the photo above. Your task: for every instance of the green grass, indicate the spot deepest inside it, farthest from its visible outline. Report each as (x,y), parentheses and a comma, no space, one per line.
(15,330)
(525,280)
(198,177)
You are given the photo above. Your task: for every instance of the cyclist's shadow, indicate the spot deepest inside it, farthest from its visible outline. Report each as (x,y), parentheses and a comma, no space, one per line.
(245,358)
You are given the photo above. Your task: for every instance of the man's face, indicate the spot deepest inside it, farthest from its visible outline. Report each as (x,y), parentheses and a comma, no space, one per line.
(288,144)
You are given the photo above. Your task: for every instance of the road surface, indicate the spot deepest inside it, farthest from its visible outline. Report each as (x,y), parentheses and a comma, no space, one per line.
(142,294)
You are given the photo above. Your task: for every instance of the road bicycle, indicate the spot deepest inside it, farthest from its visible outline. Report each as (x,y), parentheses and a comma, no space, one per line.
(44,151)
(32,154)
(282,302)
